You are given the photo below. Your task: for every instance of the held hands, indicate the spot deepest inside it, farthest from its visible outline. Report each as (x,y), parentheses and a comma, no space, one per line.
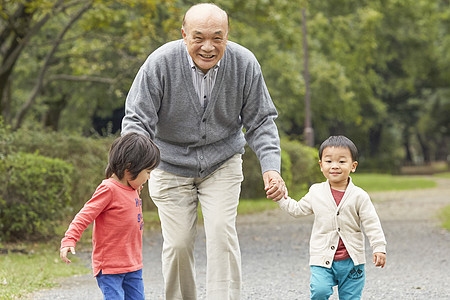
(379,259)
(274,185)
(63,253)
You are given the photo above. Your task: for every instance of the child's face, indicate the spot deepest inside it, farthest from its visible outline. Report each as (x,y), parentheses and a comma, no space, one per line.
(142,178)
(336,165)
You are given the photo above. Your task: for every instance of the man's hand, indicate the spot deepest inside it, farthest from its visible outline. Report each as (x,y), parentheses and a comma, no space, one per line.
(63,253)
(274,185)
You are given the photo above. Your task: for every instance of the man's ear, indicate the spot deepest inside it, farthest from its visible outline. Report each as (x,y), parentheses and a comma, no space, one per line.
(354,164)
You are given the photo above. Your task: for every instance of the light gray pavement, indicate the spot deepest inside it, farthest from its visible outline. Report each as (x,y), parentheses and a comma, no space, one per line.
(274,250)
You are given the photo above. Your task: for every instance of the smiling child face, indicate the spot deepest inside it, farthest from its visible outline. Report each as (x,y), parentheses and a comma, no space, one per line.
(336,165)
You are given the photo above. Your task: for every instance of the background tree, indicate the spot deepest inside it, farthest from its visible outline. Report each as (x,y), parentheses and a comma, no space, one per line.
(81,74)
(379,69)
(20,21)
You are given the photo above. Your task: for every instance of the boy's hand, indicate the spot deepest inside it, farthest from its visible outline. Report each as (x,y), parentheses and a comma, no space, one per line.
(379,259)
(63,253)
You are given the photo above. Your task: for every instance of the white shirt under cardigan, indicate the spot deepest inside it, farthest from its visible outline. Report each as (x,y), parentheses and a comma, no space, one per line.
(203,83)
(332,221)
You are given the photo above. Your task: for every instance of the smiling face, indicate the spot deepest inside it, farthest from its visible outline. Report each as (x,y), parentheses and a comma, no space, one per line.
(205,33)
(336,165)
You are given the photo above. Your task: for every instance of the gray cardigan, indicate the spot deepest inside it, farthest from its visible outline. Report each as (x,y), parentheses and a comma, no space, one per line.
(162,103)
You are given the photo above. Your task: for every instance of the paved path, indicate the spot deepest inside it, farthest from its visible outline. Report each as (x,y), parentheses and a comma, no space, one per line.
(275,254)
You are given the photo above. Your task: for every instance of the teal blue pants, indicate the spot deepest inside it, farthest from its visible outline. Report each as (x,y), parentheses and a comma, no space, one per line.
(348,277)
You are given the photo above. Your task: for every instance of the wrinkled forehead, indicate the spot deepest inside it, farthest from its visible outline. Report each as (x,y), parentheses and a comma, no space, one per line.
(205,16)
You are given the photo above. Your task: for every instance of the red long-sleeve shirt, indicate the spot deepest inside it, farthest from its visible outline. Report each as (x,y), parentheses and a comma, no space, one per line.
(116,211)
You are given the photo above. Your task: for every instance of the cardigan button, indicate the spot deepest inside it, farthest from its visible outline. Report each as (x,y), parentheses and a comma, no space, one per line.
(332,247)
(204,137)
(327,262)
(337,213)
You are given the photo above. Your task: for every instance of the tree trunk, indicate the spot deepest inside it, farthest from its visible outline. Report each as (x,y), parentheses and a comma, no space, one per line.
(425,149)
(39,82)
(407,145)
(18,34)
(5,102)
(308,131)
(375,139)
(443,151)
(53,114)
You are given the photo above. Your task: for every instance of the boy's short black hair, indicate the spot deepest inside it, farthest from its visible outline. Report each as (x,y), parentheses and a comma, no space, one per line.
(133,152)
(339,141)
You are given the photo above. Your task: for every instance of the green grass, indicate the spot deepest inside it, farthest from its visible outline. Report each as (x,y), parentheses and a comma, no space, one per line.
(369,182)
(246,206)
(443,175)
(41,266)
(38,268)
(21,274)
(151,220)
(444,215)
(252,206)
(384,182)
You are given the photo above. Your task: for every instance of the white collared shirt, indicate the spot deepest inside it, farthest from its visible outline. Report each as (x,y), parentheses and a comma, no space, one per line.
(203,83)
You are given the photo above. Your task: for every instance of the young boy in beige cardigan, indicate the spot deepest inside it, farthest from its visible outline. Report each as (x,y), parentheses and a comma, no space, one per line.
(337,255)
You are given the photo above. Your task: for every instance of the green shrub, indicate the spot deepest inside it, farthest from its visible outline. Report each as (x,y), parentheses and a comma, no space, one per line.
(35,193)
(286,167)
(253,185)
(89,158)
(6,139)
(299,169)
(88,155)
(305,166)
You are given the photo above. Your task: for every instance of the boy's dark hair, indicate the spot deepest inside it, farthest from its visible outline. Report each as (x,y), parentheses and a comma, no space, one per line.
(339,141)
(133,152)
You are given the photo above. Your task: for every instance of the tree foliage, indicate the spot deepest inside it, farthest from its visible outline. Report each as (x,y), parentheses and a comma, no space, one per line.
(370,61)
(379,69)
(82,58)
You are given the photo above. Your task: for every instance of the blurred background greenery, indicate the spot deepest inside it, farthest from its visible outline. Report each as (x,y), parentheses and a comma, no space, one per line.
(378,73)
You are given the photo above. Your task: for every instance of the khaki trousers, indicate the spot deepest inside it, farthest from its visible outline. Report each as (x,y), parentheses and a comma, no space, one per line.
(177,199)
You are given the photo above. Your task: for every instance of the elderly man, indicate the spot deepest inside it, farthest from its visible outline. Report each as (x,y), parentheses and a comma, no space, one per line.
(193,97)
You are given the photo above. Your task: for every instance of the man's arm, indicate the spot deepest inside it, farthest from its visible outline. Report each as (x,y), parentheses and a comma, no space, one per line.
(141,106)
(258,116)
